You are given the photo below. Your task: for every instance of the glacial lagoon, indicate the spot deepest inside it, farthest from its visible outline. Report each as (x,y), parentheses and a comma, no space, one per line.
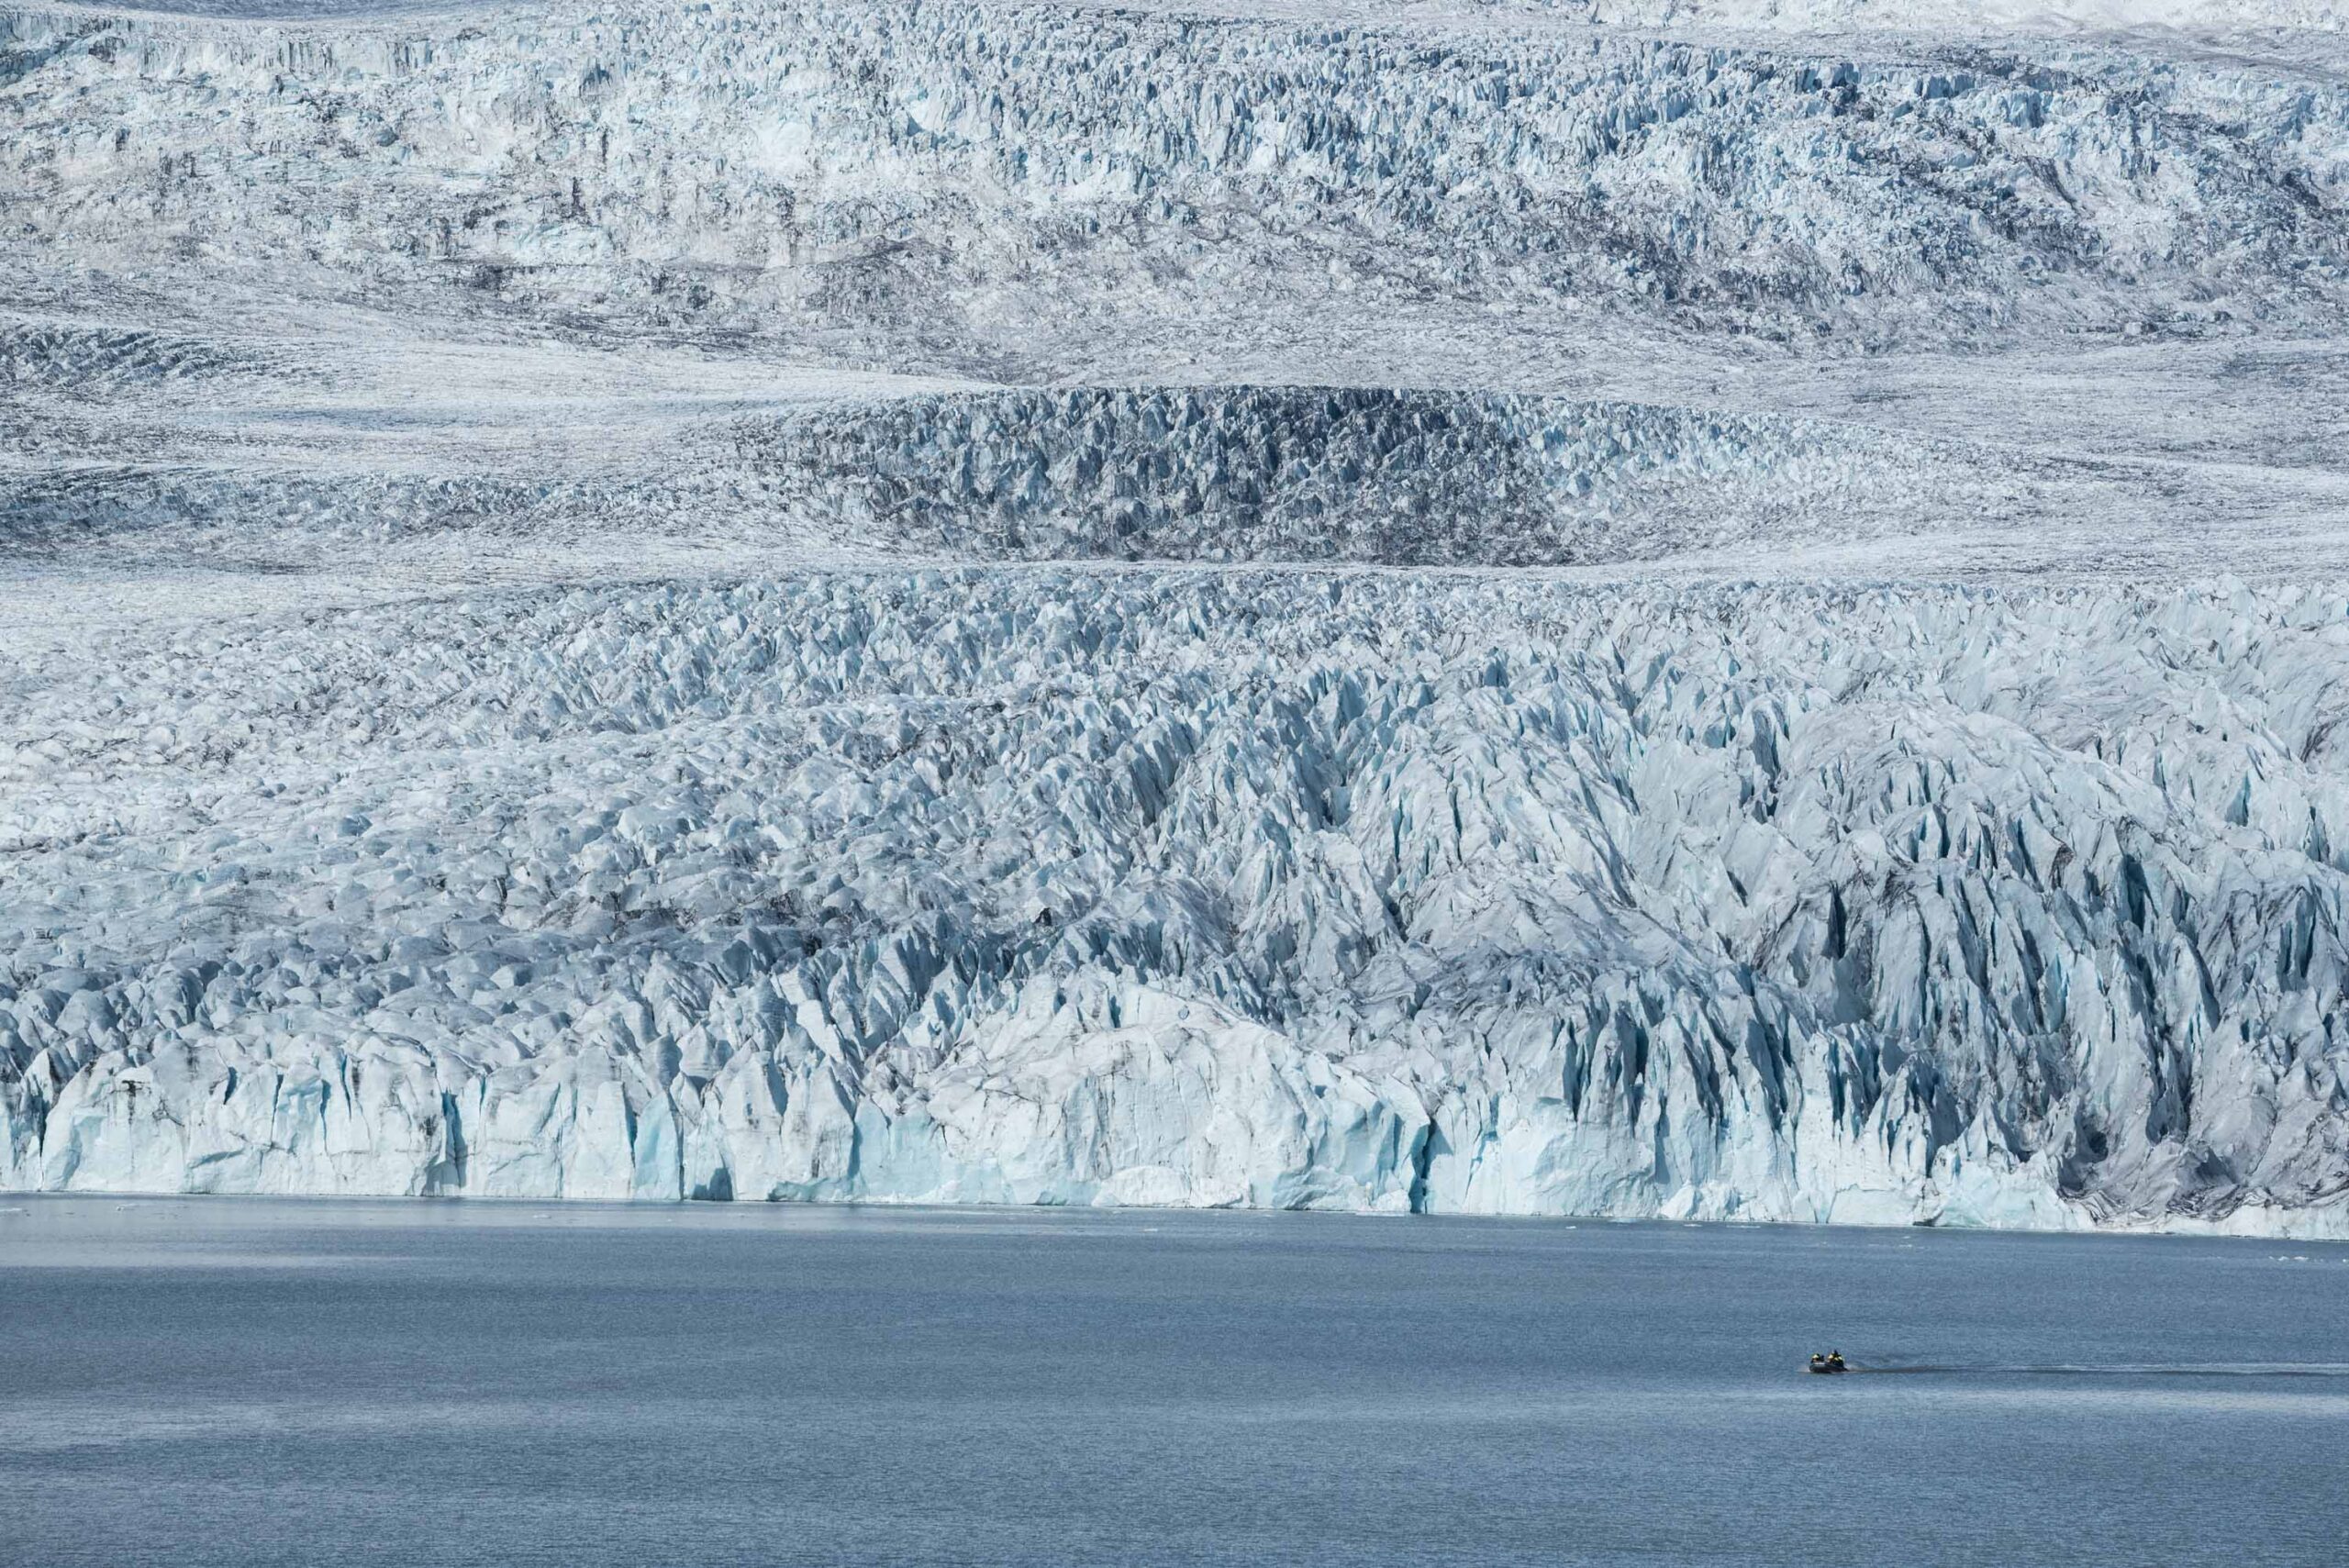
(260,1382)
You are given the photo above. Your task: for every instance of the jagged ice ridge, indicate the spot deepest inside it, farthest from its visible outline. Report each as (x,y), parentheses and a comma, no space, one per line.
(1460,896)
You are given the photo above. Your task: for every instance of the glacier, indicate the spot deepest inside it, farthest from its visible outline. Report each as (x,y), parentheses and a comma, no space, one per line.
(1729,611)
(1462,895)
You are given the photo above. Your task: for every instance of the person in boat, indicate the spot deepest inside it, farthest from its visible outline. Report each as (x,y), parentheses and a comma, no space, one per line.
(1835,1360)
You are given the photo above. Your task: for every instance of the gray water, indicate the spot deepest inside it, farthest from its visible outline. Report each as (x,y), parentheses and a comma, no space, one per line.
(253,1382)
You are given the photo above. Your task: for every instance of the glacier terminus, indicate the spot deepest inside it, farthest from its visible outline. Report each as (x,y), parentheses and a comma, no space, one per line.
(1694,608)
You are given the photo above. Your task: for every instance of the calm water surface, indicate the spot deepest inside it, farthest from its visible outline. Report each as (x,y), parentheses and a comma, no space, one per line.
(253,1382)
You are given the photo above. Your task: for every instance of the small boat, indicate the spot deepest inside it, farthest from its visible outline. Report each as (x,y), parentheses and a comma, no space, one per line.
(1833,1362)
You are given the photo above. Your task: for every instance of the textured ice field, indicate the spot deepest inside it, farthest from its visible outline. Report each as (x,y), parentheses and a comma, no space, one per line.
(1162,888)
(1723,610)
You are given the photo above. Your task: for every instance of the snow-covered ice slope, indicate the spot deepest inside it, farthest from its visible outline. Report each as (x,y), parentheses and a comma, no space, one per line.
(537,268)
(1590,607)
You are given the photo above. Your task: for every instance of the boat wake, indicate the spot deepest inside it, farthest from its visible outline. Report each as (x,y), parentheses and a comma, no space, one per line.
(2120,1369)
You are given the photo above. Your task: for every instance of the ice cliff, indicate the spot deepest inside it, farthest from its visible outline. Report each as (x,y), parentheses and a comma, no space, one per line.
(1635,608)
(1365,891)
